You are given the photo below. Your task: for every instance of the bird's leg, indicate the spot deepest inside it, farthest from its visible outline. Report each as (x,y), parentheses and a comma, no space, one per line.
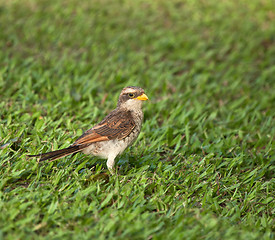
(111,163)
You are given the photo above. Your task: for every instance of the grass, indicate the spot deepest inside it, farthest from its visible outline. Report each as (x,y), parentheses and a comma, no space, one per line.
(203,165)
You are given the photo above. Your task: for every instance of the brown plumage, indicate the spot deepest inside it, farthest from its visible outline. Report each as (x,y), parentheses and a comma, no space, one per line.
(113,134)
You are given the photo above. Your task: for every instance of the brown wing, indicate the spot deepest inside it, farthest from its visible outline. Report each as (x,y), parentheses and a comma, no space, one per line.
(117,124)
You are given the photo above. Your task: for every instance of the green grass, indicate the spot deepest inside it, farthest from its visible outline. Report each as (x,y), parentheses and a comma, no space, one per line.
(203,165)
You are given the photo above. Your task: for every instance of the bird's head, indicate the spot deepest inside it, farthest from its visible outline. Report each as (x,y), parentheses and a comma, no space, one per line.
(131,98)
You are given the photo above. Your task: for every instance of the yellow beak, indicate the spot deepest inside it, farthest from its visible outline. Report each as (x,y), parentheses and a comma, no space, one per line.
(142,97)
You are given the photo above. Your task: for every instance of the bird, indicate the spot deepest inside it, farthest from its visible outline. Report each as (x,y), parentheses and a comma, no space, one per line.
(110,137)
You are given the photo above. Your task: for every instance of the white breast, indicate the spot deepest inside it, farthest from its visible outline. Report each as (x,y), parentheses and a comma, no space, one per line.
(115,147)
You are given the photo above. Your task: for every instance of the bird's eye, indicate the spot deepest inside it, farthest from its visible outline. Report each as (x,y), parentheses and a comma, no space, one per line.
(131,95)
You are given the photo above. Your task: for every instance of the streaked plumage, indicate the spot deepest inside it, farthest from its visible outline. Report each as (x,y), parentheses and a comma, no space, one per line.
(113,134)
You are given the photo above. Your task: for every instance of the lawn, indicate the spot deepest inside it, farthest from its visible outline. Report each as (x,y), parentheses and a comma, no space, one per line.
(203,165)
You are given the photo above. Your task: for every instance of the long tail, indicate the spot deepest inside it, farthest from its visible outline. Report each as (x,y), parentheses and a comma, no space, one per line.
(58,153)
